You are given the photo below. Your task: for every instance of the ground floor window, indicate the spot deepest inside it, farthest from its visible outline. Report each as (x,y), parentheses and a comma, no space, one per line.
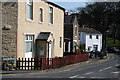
(28,46)
(75,46)
(41,50)
(89,48)
(95,47)
(67,46)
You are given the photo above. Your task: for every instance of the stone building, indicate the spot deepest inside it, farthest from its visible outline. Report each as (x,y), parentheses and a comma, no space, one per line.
(32,29)
(71,33)
(9,29)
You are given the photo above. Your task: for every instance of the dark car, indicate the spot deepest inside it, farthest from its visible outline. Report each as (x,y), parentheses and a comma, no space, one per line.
(95,54)
(113,50)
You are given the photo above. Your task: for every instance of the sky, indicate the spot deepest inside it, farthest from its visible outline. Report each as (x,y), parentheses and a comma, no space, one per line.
(73,4)
(69,4)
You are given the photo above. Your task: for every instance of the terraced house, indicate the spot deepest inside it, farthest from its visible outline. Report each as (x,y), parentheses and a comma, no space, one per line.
(32,29)
(71,33)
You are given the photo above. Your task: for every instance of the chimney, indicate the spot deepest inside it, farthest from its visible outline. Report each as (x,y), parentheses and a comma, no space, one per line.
(66,13)
(85,26)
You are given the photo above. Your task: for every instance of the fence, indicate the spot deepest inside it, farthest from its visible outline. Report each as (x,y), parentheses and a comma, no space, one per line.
(29,64)
(49,63)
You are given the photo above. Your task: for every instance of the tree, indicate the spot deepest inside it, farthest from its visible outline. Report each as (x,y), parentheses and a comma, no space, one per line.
(100,16)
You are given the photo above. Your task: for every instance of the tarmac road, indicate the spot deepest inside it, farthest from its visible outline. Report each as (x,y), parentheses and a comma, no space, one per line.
(108,69)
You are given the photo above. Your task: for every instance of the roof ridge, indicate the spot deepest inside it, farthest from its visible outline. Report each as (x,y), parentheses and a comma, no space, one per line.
(89,30)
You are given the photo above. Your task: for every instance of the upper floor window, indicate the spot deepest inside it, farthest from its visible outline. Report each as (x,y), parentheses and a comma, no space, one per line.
(75,30)
(60,42)
(50,15)
(90,36)
(41,15)
(30,9)
(97,37)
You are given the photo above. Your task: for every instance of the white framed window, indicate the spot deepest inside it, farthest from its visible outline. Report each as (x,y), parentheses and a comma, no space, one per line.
(30,9)
(89,48)
(60,42)
(97,37)
(90,36)
(29,46)
(95,47)
(41,15)
(50,15)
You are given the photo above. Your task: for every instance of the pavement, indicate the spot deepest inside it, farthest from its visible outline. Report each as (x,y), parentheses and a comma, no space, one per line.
(64,68)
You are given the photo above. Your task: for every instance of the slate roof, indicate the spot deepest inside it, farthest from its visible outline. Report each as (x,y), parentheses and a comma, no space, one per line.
(89,31)
(44,35)
(55,5)
(51,3)
(69,19)
(68,31)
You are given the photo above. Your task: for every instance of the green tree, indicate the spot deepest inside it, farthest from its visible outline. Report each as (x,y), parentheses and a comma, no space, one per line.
(100,16)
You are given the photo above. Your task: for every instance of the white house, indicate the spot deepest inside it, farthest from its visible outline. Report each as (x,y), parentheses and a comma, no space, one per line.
(91,38)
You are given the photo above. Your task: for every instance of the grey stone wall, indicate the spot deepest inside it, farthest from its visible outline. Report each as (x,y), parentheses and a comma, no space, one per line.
(9,44)
(0,39)
(9,29)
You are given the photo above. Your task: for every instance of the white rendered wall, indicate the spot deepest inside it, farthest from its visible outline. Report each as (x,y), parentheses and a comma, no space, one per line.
(85,39)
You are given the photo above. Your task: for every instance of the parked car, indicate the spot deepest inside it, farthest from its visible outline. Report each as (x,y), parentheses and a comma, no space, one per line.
(95,54)
(113,50)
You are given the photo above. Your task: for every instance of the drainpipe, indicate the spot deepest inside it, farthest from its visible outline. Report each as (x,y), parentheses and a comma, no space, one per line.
(0,31)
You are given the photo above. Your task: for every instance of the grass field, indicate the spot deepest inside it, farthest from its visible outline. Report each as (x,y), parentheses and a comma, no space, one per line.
(110,42)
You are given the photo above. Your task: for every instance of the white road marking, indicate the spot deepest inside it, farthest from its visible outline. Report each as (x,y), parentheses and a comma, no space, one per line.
(117,65)
(73,76)
(81,77)
(105,68)
(115,72)
(91,67)
(96,77)
(88,73)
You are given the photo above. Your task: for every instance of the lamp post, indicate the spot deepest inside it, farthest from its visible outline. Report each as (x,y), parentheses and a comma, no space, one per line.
(106,43)
(106,39)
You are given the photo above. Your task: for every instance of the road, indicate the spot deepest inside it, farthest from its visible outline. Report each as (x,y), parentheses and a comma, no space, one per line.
(108,69)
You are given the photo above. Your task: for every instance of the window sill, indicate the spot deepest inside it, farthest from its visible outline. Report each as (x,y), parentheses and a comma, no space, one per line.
(40,22)
(50,24)
(28,20)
